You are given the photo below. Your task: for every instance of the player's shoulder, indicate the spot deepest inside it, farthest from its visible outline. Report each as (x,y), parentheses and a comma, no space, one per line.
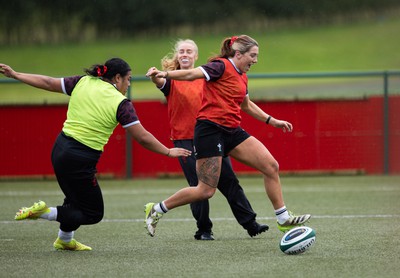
(69,83)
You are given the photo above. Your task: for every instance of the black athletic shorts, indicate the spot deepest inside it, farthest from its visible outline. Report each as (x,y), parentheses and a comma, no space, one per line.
(211,139)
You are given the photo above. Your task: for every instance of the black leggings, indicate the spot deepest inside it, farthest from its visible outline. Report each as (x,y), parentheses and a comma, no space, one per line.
(75,168)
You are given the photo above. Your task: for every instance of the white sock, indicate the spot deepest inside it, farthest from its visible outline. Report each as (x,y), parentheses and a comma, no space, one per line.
(160,207)
(51,215)
(282,215)
(65,236)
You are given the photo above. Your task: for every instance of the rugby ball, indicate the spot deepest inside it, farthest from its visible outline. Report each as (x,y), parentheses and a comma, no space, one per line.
(297,240)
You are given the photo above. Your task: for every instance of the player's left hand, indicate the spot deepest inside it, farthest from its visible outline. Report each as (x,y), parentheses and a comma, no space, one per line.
(7,70)
(177,152)
(153,71)
(284,125)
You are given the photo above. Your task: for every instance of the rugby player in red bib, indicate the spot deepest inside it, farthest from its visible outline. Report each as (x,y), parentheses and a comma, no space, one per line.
(218,132)
(184,101)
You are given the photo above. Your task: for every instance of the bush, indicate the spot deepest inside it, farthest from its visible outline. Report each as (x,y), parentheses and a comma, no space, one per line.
(54,21)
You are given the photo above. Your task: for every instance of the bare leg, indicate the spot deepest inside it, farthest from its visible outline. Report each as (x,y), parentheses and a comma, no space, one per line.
(208,171)
(254,154)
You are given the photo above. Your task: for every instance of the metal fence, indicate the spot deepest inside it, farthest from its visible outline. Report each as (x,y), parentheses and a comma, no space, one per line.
(385,75)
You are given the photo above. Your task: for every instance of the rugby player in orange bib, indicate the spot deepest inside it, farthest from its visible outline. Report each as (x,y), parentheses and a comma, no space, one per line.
(184,100)
(218,132)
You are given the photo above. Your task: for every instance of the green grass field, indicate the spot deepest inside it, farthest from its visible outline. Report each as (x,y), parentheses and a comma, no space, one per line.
(356,218)
(358,46)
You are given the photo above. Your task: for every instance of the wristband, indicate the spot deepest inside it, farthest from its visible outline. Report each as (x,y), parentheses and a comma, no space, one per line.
(268,119)
(169,150)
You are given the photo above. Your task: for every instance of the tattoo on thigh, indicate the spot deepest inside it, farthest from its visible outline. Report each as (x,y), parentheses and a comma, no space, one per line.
(208,171)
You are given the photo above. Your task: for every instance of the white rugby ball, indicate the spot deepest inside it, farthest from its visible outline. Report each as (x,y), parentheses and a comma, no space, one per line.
(297,240)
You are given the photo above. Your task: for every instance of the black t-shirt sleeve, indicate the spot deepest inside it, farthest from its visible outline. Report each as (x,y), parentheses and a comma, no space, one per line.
(68,83)
(214,70)
(126,114)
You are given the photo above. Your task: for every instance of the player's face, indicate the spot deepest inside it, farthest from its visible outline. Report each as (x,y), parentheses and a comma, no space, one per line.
(187,55)
(123,82)
(247,59)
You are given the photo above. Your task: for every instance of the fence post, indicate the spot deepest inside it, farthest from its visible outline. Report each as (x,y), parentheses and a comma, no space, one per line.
(386,123)
(128,147)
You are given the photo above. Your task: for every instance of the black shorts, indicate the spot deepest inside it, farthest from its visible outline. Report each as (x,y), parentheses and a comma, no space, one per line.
(211,139)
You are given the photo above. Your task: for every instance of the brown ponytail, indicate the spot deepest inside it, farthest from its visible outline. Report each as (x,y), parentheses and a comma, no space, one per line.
(230,45)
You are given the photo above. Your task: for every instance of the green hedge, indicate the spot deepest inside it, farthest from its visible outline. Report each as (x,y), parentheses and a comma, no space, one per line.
(59,20)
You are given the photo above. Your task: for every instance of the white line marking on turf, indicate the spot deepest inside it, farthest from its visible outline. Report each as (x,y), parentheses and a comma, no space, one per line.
(233,219)
(168,191)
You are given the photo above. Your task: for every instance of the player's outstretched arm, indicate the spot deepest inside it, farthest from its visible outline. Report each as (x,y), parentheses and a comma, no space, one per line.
(35,80)
(256,112)
(148,141)
(187,74)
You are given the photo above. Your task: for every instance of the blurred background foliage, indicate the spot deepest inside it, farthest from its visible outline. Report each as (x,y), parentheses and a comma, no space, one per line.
(60,38)
(57,21)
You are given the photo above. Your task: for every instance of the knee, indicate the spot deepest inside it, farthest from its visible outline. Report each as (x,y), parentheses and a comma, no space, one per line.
(98,217)
(275,166)
(206,191)
(208,194)
(272,169)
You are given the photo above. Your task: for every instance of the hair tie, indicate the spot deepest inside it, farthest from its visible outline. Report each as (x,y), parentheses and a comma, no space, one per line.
(101,72)
(233,39)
